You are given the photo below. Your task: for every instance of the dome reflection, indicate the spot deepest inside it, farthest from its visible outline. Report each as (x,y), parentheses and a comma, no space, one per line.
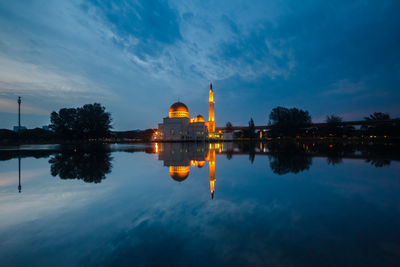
(180,156)
(179,173)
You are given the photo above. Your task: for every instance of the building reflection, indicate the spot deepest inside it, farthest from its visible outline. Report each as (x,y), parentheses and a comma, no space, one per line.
(211,162)
(92,163)
(179,157)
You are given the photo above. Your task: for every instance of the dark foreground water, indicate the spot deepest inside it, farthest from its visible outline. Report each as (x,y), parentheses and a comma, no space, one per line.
(200,205)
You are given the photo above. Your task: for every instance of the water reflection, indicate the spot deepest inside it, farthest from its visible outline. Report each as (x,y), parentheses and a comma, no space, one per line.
(180,156)
(19,175)
(91,166)
(288,158)
(271,211)
(93,163)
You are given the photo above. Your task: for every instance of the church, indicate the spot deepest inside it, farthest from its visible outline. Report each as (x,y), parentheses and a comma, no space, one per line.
(179,127)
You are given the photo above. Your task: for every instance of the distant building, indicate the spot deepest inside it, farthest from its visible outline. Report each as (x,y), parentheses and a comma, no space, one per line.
(179,127)
(15,128)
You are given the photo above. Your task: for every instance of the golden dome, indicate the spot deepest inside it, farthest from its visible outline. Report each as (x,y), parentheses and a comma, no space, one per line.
(178,110)
(199,118)
(179,173)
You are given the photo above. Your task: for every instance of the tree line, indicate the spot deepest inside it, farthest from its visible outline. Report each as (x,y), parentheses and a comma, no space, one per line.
(292,122)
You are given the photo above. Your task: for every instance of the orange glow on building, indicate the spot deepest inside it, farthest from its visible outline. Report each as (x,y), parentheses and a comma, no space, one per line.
(179,127)
(211,117)
(178,110)
(199,118)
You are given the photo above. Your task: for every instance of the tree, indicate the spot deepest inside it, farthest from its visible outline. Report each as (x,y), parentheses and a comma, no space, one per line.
(89,121)
(333,119)
(289,121)
(251,128)
(383,128)
(64,122)
(333,126)
(229,126)
(93,121)
(378,116)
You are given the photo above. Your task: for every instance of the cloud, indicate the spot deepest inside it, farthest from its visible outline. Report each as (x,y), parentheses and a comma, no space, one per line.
(26,78)
(345,87)
(11,106)
(132,55)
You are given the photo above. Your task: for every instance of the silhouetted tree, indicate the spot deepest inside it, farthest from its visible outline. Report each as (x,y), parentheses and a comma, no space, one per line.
(378,116)
(333,126)
(89,121)
(382,128)
(251,128)
(289,121)
(93,121)
(64,122)
(333,119)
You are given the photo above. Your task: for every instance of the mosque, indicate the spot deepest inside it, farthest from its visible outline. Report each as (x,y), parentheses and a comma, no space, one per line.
(179,127)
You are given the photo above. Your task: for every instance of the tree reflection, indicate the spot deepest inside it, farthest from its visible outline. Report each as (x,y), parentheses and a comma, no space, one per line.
(248,148)
(378,162)
(286,158)
(89,166)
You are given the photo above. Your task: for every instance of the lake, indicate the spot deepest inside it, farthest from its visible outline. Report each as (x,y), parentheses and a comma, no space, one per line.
(186,204)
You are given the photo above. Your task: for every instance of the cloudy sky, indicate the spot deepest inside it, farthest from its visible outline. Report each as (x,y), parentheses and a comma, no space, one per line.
(138,57)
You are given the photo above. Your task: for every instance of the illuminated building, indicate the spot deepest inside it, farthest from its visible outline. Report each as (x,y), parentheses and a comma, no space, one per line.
(211,117)
(178,126)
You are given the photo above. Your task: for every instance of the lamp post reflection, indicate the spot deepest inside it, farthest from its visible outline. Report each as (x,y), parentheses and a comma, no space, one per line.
(19,174)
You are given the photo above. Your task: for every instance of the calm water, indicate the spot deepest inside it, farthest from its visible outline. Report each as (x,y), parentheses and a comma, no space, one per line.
(181,204)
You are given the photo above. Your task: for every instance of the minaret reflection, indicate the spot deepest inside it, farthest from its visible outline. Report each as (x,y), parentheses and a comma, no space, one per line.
(211,164)
(180,156)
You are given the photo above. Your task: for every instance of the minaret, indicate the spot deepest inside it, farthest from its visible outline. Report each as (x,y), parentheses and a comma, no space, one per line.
(211,119)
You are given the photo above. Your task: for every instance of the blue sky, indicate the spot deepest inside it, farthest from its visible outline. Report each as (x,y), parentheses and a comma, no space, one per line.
(138,57)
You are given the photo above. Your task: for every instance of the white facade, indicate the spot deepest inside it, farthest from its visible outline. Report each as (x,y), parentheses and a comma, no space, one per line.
(182,129)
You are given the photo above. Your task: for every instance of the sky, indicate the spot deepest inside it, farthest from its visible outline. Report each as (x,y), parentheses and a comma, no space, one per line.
(138,57)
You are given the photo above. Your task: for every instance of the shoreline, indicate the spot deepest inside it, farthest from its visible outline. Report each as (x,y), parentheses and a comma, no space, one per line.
(140,141)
